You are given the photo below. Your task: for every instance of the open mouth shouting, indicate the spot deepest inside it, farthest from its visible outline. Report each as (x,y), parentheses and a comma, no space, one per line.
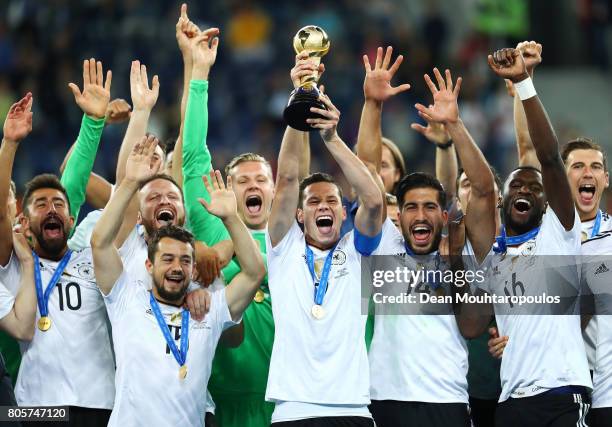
(521,206)
(586,193)
(165,216)
(53,228)
(422,234)
(325,224)
(254,204)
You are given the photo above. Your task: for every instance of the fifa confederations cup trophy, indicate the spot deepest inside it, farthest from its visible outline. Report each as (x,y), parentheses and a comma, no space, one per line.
(314,41)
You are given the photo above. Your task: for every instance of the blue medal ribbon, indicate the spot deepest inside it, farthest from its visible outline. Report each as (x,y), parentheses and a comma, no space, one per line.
(321,289)
(43,299)
(597,224)
(181,357)
(502,241)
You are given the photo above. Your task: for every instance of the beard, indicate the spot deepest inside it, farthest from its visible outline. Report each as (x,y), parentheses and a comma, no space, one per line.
(52,247)
(170,296)
(151,225)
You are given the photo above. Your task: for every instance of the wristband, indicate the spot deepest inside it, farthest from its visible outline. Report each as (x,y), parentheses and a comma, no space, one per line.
(446,145)
(525,89)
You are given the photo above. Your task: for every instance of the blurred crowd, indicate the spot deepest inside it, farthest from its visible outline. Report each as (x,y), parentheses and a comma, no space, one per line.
(42,44)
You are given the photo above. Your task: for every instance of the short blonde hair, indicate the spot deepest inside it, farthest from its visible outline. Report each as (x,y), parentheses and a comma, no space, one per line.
(246,157)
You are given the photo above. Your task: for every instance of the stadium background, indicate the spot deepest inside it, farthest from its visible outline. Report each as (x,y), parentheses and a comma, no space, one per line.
(42,44)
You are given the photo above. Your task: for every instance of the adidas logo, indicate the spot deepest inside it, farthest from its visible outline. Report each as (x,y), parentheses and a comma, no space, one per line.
(602,269)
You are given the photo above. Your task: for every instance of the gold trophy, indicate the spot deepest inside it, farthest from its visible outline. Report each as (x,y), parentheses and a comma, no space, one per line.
(314,40)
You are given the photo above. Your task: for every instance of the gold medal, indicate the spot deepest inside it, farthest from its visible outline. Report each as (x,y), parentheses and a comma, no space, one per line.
(178,315)
(44,323)
(585,236)
(183,372)
(318,312)
(259,296)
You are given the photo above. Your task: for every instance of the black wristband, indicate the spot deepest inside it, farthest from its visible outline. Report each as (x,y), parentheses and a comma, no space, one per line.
(446,145)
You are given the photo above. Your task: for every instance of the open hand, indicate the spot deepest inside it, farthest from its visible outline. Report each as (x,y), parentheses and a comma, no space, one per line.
(143,96)
(222,199)
(377,83)
(139,165)
(434,132)
(445,108)
(18,122)
(96,93)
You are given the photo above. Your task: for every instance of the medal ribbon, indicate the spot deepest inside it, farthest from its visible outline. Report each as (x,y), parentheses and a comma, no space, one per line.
(320,290)
(597,224)
(181,357)
(43,299)
(502,242)
(435,285)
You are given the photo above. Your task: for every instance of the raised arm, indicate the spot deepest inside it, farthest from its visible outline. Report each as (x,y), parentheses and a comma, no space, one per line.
(17,125)
(285,203)
(532,54)
(19,322)
(196,156)
(98,188)
(480,213)
(290,163)
(509,64)
(94,102)
(241,290)
(185,30)
(143,100)
(376,89)
(447,168)
(107,262)
(368,219)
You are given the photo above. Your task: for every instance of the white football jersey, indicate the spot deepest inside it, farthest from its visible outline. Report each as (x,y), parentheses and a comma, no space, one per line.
(149,390)
(81,238)
(544,351)
(133,254)
(71,363)
(590,332)
(7,300)
(416,357)
(597,272)
(320,361)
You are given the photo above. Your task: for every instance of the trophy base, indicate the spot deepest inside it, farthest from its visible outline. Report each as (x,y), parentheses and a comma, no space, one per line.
(298,108)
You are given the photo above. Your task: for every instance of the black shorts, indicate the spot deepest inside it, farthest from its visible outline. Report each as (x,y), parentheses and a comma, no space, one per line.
(550,410)
(394,413)
(328,422)
(600,417)
(482,412)
(209,420)
(78,417)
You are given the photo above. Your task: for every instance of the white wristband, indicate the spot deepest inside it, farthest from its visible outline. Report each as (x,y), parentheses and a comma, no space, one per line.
(525,89)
